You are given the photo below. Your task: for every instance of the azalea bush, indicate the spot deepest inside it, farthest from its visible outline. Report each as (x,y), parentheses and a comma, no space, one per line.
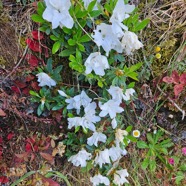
(95,39)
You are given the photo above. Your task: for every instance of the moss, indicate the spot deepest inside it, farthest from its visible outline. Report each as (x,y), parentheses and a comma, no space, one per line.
(2,62)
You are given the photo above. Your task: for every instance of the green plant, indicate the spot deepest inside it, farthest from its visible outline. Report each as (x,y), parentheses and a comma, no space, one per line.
(157,146)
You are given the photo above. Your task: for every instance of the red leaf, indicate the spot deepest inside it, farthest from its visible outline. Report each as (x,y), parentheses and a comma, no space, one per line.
(33,45)
(28,147)
(22,156)
(25,91)
(35,86)
(37,35)
(175,76)
(32,60)
(49,181)
(1,140)
(2,114)
(3,179)
(29,78)
(20,84)
(10,136)
(183,78)
(168,80)
(178,89)
(15,89)
(48,157)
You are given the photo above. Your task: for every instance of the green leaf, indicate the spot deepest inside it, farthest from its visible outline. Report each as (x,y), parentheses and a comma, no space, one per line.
(34,93)
(95,13)
(39,110)
(129,128)
(40,8)
(142,145)
(141,25)
(84,38)
(132,138)
(179,176)
(49,65)
(152,165)
(91,5)
(166,143)
(145,163)
(76,66)
(37,18)
(67,52)
(133,75)
(100,84)
(81,47)
(150,139)
(58,107)
(183,167)
(56,47)
(135,67)
(54,38)
(71,42)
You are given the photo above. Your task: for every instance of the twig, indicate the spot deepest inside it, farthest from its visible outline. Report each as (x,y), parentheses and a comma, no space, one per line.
(182,111)
(25,51)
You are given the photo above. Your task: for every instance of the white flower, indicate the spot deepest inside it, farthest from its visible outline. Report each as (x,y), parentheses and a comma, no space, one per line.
(120,13)
(98,179)
(130,42)
(87,121)
(45,80)
(96,62)
(87,2)
(81,121)
(78,101)
(136,133)
(80,158)
(104,36)
(119,135)
(102,157)
(119,177)
(62,93)
(95,138)
(116,153)
(129,92)
(116,93)
(114,123)
(57,12)
(111,107)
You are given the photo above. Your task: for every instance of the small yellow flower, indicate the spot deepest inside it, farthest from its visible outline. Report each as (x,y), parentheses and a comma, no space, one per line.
(136,133)
(157,49)
(158,55)
(119,72)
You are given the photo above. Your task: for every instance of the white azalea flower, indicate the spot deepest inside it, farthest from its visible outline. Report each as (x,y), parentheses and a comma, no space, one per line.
(87,2)
(78,101)
(116,93)
(98,179)
(130,42)
(115,153)
(104,36)
(45,80)
(102,157)
(87,121)
(80,158)
(119,177)
(111,107)
(96,62)
(62,93)
(81,121)
(114,123)
(95,138)
(120,13)
(119,135)
(57,12)
(129,92)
